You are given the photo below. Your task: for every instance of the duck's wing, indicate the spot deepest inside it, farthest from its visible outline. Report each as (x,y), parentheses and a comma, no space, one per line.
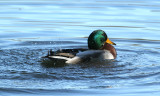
(63,54)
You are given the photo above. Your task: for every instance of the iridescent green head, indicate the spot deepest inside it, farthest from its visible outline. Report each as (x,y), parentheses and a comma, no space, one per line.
(97,39)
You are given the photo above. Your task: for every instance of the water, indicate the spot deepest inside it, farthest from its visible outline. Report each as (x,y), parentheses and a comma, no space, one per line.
(30,28)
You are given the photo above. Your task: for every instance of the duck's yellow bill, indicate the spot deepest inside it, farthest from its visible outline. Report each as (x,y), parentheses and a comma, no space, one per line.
(110,42)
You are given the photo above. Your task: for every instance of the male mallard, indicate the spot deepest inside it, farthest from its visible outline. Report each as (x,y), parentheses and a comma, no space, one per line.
(99,47)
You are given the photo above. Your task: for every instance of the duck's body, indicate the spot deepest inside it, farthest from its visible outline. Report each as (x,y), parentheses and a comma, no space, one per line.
(98,45)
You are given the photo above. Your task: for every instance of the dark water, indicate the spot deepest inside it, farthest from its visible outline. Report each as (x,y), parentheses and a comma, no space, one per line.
(28,29)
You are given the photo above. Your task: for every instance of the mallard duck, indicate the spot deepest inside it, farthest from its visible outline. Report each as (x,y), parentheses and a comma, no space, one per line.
(99,47)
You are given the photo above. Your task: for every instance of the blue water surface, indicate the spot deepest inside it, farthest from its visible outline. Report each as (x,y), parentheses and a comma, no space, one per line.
(28,29)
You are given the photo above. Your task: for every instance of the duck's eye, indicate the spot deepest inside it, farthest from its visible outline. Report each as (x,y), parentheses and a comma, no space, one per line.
(102,39)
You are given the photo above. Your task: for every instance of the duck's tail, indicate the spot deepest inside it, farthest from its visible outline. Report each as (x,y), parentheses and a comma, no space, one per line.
(67,55)
(53,55)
